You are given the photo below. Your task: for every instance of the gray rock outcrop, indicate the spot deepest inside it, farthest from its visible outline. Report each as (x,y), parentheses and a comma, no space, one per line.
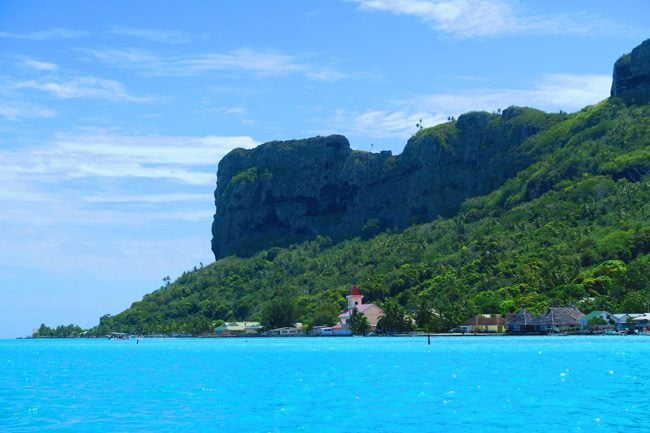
(631,80)
(285,192)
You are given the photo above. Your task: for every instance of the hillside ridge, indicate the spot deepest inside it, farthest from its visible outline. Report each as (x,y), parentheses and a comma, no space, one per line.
(285,192)
(569,224)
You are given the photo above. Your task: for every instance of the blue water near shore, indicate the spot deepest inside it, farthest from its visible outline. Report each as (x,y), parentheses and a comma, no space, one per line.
(463,384)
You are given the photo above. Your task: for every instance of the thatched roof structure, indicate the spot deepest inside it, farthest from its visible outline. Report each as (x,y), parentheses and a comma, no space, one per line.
(522,318)
(560,316)
(487,320)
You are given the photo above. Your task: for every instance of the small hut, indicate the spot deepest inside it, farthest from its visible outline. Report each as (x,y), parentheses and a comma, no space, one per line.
(559,320)
(521,323)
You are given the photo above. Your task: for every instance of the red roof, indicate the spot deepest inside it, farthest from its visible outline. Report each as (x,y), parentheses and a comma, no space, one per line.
(355,291)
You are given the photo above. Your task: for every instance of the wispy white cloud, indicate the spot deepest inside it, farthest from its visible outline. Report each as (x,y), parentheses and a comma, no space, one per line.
(483,18)
(89,201)
(571,92)
(54,33)
(79,254)
(82,87)
(58,211)
(325,74)
(152,35)
(177,150)
(553,92)
(244,60)
(18,110)
(146,198)
(99,154)
(127,57)
(40,66)
(64,196)
(239,60)
(229,111)
(396,122)
(400,122)
(77,200)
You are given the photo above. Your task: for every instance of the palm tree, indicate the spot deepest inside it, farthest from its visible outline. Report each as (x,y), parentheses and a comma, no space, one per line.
(394,319)
(358,322)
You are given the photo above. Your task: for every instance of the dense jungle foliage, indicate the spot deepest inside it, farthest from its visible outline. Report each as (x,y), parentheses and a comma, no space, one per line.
(572,228)
(61,331)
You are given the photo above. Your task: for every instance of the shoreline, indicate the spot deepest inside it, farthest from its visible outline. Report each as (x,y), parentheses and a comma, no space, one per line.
(410,335)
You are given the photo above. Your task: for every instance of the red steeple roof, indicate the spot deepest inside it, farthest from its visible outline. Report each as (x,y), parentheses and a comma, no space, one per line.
(355,291)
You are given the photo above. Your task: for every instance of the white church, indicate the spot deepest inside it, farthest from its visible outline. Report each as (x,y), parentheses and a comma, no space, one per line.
(371,311)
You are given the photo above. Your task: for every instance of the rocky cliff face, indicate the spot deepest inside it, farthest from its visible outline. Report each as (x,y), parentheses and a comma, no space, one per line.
(631,79)
(285,192)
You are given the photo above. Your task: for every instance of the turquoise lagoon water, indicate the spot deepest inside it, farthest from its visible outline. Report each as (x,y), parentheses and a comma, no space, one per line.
(463,384)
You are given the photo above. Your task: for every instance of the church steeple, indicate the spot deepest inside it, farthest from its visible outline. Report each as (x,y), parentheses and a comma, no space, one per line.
(355,298)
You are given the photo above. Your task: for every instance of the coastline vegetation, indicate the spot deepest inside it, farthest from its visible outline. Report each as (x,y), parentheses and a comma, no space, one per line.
(61,331)
(572,228)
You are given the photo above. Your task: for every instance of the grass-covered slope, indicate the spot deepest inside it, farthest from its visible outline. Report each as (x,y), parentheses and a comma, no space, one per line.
(571,228)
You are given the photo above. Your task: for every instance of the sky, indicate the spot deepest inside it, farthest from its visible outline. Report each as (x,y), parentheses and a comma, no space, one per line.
(115,114)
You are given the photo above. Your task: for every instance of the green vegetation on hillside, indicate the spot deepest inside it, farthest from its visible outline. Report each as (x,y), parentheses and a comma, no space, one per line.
(61,331)
(250,175)
(571,228)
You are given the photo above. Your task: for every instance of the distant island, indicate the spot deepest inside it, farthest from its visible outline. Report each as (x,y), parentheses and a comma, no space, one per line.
(482,215)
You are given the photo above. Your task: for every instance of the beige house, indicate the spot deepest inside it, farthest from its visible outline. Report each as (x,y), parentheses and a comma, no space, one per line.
(231,329)
(355,300)
(287,331)
(485,323)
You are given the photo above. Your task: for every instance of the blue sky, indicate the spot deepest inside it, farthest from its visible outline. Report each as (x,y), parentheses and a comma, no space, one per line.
(115,114)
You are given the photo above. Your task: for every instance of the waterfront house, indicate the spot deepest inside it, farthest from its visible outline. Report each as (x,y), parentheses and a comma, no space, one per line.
(594,315)
(232,329)
(642,322)
(559,320)
(485,323)
(625,321)
(554,320)
(521,323)
(355,300)
(331,331)
(287,331)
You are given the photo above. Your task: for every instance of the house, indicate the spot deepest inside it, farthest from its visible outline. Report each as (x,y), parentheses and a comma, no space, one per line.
(521,323)
(554,320)
(642,323)
(594,315)
(331,331)
(485,323)
(625,321)
(232,329)
(287,331)
(355,300)
(559,320)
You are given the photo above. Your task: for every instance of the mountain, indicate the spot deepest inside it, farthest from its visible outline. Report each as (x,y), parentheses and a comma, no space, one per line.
(487,213)
(281,193)
(631,80)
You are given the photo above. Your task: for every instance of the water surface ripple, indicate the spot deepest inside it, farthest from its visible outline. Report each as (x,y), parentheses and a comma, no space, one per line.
(356,385)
